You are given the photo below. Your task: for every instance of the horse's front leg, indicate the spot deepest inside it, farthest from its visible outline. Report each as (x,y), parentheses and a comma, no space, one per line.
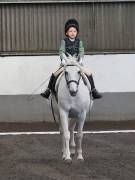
(80,125)
(63,142)
(72,140)
(65,134)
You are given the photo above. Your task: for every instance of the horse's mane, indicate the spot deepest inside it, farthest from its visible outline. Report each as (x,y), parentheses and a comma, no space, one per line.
(73,61)
(72,58)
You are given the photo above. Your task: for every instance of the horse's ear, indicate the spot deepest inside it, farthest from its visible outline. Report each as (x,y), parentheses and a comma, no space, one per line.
(75,56)
(69,56)
(78,57)
(65,57)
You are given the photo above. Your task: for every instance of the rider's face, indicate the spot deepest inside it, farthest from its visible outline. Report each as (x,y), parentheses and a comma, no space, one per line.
(72,32)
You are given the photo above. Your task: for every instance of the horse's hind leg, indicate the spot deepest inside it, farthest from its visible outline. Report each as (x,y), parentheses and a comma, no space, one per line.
(72,141)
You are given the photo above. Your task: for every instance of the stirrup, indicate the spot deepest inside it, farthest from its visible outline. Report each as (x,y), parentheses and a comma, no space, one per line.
(46,94)
(96,94)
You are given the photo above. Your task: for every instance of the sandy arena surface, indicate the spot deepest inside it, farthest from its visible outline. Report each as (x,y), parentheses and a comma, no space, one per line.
(38,157)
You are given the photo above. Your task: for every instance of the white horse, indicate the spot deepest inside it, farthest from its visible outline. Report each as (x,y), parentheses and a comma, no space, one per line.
(73,101)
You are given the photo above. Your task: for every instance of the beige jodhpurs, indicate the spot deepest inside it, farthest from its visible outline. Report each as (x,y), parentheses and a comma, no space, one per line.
(56,73)
(85,70)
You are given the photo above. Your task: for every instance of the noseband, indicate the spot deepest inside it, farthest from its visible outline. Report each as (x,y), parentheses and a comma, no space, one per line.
(68,82)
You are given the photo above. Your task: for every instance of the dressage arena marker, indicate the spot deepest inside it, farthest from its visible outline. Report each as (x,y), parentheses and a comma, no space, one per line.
(56,132)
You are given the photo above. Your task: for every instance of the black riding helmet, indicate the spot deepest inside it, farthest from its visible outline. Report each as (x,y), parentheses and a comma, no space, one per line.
(71,23)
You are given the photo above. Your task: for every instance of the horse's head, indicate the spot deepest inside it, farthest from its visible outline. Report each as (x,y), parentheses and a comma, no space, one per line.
(72,76)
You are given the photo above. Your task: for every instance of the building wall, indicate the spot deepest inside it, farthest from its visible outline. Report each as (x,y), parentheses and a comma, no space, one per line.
(34,28)
(26,74)
(22,76)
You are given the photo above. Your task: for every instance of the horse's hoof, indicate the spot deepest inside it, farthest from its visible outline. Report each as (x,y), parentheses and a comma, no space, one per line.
(68,161)
(80,159)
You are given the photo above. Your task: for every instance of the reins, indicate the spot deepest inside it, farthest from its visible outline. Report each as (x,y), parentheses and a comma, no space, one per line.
(53,111)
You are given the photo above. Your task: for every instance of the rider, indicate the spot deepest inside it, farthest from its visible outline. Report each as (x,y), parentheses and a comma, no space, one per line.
(71,45)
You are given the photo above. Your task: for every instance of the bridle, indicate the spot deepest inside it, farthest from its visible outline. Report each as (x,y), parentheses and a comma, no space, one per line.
(70,81)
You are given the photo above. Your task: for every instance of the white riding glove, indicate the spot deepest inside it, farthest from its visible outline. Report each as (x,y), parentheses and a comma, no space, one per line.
(64,59)
(80,61)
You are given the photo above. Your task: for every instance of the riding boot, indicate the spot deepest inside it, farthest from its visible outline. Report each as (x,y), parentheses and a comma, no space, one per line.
(47,92)
(95,93)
